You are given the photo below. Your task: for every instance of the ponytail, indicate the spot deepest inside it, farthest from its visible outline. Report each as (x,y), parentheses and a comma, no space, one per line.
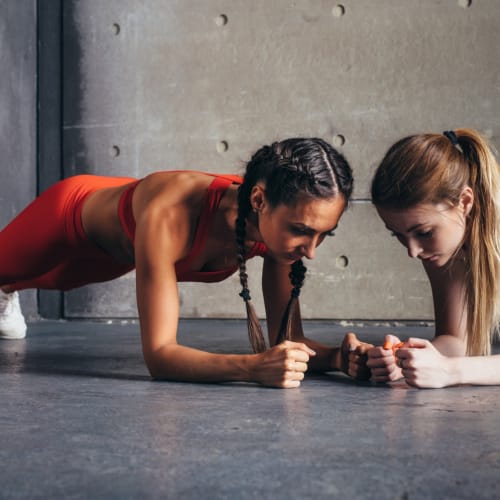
(483,249)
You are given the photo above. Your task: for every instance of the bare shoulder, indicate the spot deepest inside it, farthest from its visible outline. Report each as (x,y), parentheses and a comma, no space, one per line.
(166,208)
(169,189)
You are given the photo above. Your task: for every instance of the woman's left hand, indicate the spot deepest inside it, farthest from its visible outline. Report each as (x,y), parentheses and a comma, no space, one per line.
(383,363)
(353,357)
(423,365)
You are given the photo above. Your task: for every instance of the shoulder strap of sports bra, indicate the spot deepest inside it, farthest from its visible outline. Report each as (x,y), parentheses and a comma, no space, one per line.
(214,194)
(235,179)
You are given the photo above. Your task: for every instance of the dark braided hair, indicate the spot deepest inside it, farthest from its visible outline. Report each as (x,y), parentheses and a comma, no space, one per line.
(290,169)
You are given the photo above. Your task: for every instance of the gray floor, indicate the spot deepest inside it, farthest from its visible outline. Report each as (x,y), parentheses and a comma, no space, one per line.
(80,418)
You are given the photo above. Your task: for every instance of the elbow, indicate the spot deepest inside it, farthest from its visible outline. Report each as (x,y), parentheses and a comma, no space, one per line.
(154,370)
(155,373)
(450,345)
(157,363)
(459,348)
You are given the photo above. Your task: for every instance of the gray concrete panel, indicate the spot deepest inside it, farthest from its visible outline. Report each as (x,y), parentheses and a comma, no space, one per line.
(201,84)
(49,83)
(166,82)
(18,114)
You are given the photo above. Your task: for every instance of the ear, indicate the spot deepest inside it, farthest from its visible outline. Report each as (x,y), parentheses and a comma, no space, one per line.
(257,197)
(466,200)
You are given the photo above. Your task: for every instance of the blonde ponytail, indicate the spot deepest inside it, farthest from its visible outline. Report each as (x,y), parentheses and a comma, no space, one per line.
(483,248)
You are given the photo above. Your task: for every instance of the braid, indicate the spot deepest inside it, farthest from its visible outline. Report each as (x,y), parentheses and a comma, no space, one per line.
(255,334)
(290,170)
(297,275)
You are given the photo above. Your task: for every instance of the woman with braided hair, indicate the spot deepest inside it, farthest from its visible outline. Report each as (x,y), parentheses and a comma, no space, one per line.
(439,195)
(176,226)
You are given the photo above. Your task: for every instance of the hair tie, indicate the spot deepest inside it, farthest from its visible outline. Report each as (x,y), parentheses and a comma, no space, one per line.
(245,294)
(450,134)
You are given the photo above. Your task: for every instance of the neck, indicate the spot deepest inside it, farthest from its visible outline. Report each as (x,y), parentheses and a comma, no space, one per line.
(252,228)
(229,212)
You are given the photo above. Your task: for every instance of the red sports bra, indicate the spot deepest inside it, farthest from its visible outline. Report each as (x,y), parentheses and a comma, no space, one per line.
(214,194)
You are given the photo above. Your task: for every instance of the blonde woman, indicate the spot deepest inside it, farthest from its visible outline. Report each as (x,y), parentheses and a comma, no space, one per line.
(439,195)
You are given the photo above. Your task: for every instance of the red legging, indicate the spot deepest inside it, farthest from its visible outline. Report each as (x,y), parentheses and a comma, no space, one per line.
(45,246)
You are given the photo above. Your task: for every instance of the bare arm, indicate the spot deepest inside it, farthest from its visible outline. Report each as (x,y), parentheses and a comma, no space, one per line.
(442,362)
(161,238)
(450,308)
(424,366)
(160,242)
(448,292)
(276,287)
(477,370)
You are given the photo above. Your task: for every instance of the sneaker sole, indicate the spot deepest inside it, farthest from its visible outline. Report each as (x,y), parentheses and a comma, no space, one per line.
(12,334)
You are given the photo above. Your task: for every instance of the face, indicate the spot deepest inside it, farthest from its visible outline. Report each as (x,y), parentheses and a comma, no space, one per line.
(293,232)
(430,232)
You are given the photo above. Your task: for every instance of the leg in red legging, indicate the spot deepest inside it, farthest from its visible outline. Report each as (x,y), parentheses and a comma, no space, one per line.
(45,247)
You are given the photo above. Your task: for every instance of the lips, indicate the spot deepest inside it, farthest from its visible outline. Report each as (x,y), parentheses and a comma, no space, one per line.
(432,258)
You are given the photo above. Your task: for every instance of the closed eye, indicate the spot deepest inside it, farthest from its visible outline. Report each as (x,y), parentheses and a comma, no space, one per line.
(301,231)
(308,231)
(425,234)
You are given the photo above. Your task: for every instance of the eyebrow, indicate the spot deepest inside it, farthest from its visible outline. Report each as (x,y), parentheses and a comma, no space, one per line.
(410,229)
(311,229)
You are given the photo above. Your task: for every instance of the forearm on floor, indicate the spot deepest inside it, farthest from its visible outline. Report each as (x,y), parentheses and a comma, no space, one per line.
(181,363)
(477,370)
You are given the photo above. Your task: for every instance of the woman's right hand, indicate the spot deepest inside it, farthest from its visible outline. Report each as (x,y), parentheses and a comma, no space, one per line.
(282,366)
(383,363)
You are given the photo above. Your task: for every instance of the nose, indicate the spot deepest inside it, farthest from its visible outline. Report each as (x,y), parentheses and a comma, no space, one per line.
(309,249)
(414,248)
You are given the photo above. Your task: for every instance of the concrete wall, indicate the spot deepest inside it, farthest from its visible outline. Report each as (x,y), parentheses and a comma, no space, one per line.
(200,84)
(18,182)
(162,84)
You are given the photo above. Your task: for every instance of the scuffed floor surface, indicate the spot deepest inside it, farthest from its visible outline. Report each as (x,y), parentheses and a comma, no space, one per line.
(80,418)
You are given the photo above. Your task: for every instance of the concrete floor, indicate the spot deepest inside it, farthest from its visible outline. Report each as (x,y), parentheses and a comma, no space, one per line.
(80,418)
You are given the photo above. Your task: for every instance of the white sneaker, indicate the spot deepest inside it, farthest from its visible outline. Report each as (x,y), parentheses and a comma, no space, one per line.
(12,324)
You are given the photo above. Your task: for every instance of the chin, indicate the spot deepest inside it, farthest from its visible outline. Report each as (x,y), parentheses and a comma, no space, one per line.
(441,262)
(285,259)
